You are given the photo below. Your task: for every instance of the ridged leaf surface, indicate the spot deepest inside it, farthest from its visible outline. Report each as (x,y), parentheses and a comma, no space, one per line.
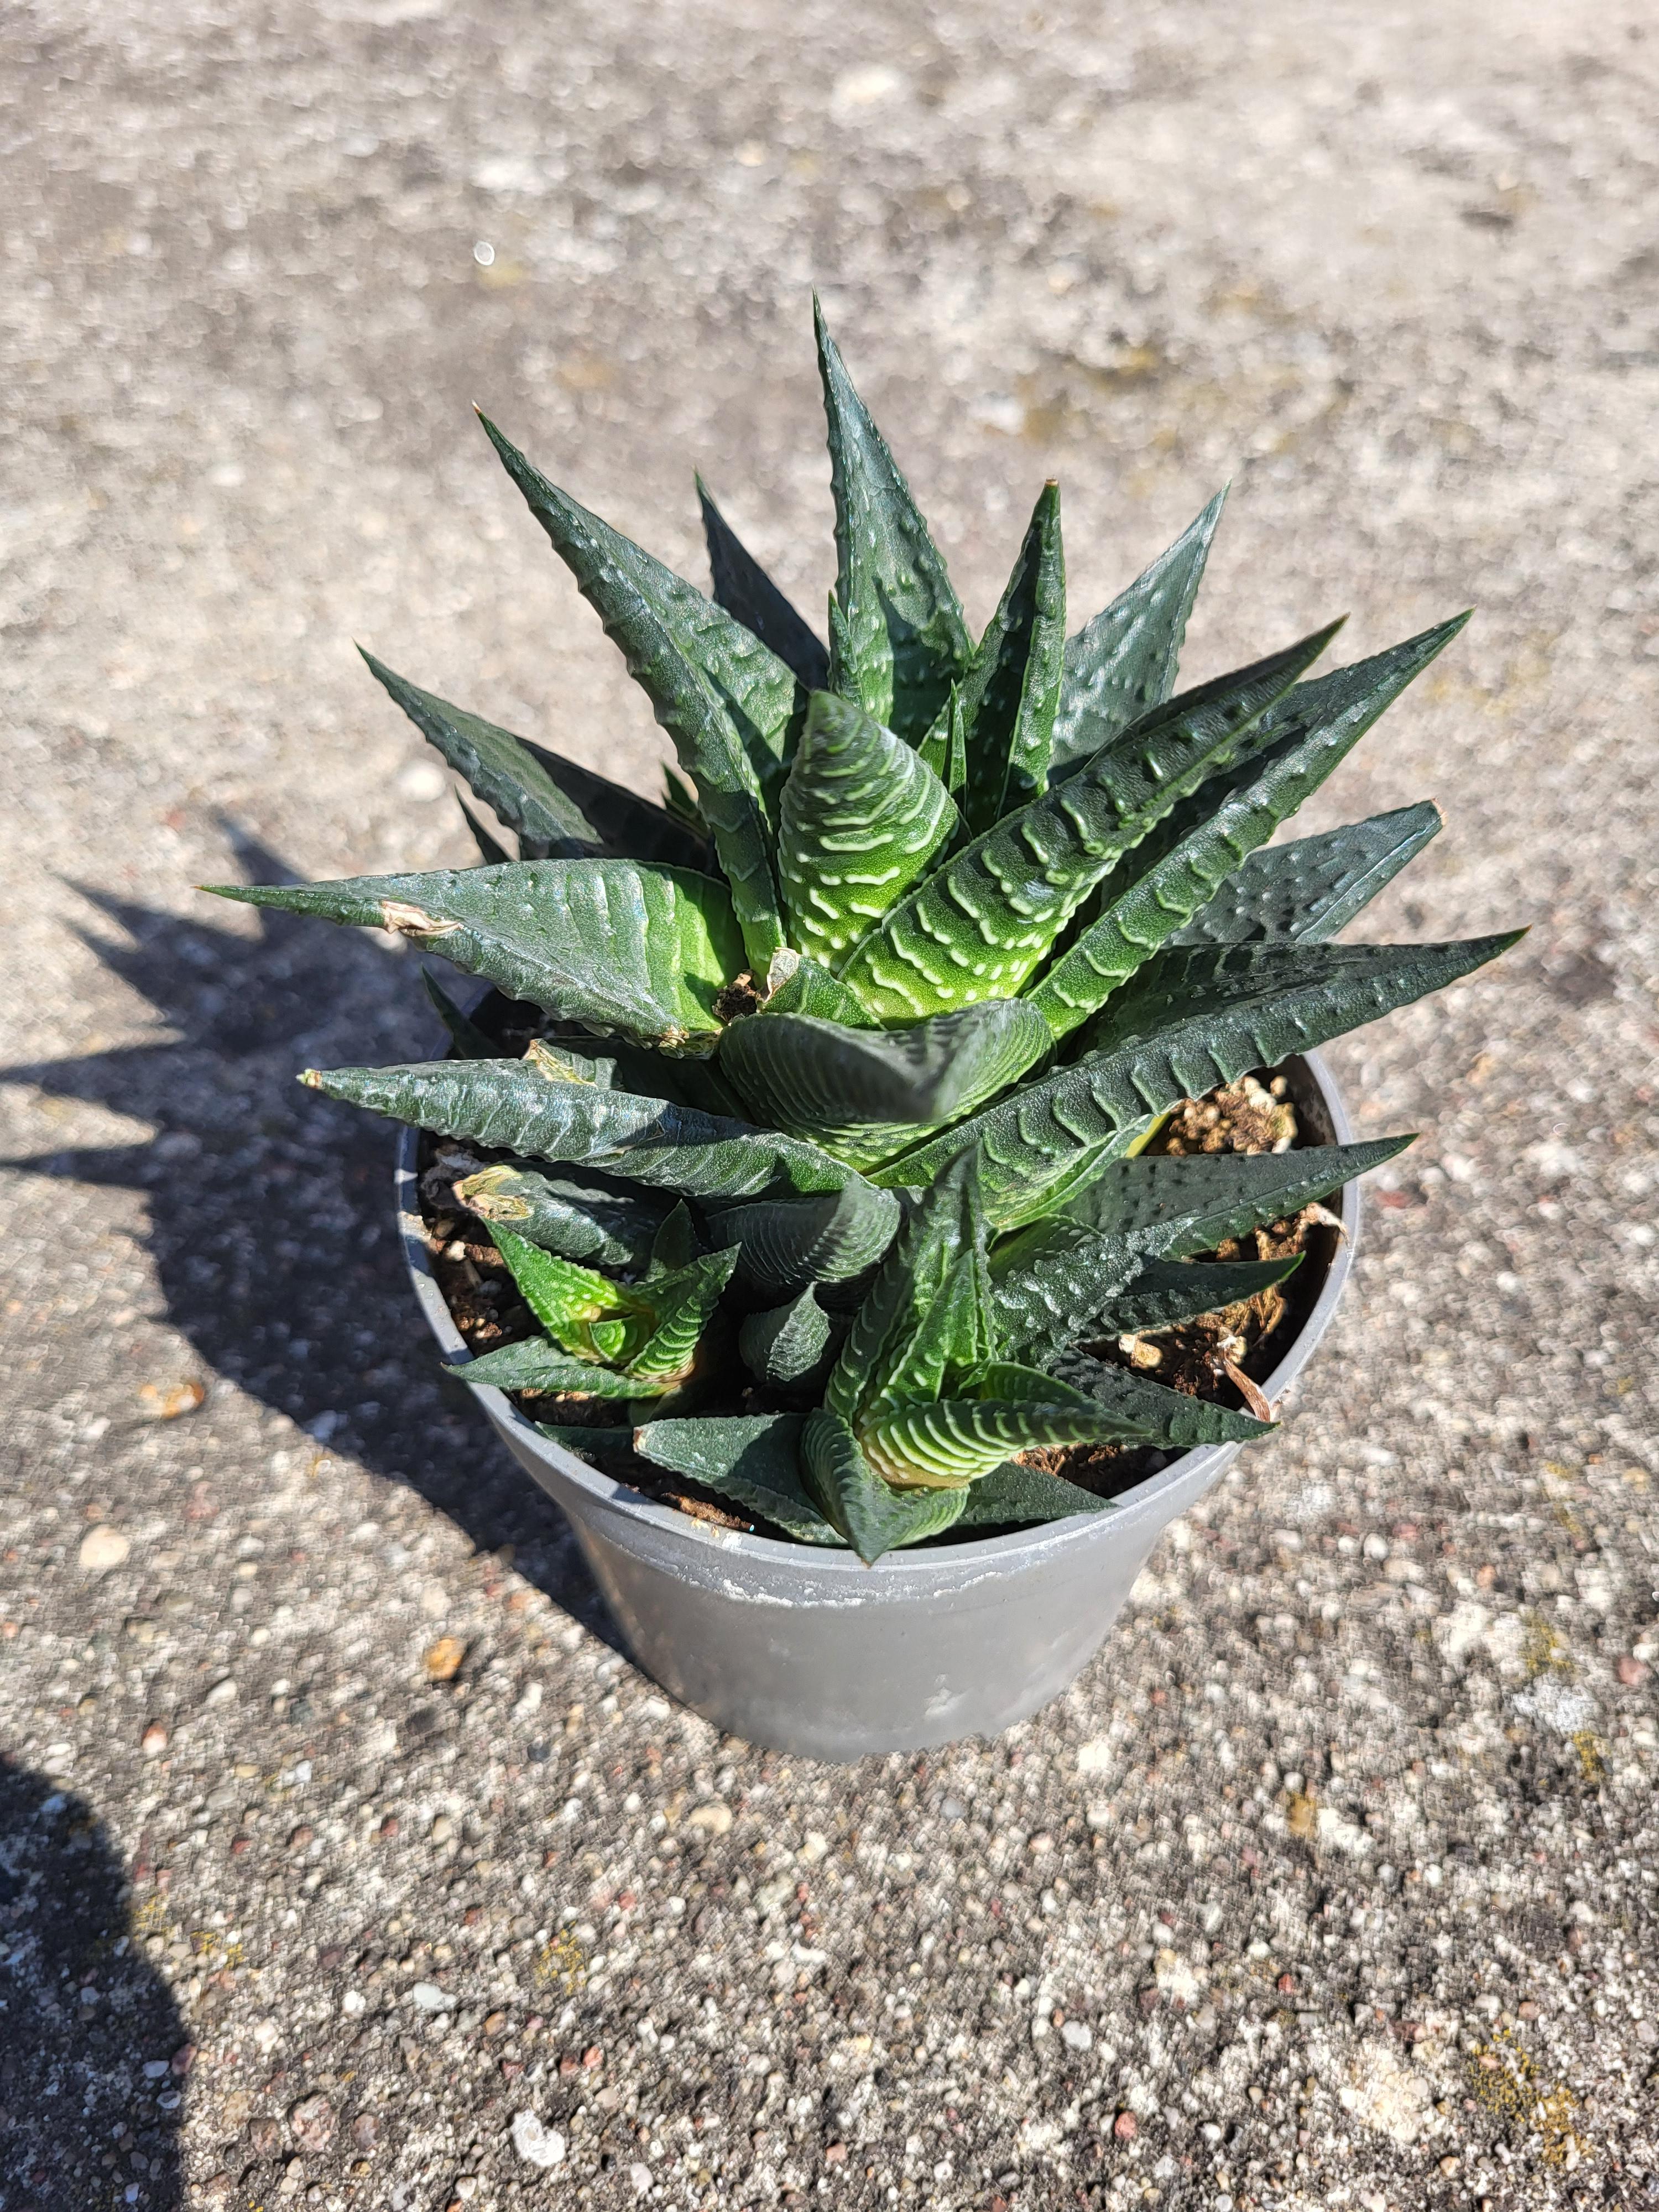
(865,1092)
(1008,697)
(1313,887)
(500,768)
(729,704)
(1062,1278)
(1164,1291)
(862,816)
(1013,1496)
(579,1219)
(785,1342)
(1191,1019)
(1152,1412)
(948,1442)
(980,925)
(1123,663)
(640,953)
(901,641)
(871,1516)
(508,1104)
(752,1459)
(1155,901)
(536,1365)
(785,1243)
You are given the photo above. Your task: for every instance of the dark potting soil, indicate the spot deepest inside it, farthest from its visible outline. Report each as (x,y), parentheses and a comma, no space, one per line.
(1223,1357)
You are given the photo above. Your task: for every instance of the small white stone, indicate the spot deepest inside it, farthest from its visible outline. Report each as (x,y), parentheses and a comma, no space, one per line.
(713,1817)
(221,1693)
(427,1997)
(538,2144)
(102,1548)
(422,779)
(1077,2035)
(353,2003)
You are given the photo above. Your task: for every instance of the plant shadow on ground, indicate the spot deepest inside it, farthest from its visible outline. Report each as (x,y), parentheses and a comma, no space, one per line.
(271,1222)
(90,2096)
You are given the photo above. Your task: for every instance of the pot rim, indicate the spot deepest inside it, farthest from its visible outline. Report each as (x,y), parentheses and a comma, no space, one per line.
(948,1565)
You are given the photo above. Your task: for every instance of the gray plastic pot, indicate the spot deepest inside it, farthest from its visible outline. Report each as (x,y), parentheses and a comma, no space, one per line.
(810,1651)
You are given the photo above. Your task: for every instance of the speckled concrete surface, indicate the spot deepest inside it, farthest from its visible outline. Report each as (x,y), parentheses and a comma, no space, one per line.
(1331,1882)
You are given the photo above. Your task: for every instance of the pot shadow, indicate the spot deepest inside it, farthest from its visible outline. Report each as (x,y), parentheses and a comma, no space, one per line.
(90,2085)
(271,1221)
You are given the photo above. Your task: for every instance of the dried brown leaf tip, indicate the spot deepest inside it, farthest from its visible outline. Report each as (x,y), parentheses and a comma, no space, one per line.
(1254,1397)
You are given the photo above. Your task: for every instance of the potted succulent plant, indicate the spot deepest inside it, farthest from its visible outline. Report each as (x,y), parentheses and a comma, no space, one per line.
(817,1140)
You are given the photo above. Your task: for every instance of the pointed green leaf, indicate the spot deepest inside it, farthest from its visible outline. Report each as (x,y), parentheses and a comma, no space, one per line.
(863,1091)
(1165,1291)
(605,1446)
(1191,1020)
(1008,697)
(681,1305)
(467,1039)
(1062,1278)
(786,1244)
(511,1105)
(927,1317)
(675,1245)
(799,986)
(491,854)
(729,704)
(579,1218)
(1015,1496)
(753,1460)
(632,828)
(1146,904)
(786,1342)
(903,641)
(499,766)
(1152,1414)
(982,924)
(1315,887)
(742,587)
(638,951)
(862,817)
(536,1365)
(1123,664)
(586,1314)
(869,1513)
(949,1442)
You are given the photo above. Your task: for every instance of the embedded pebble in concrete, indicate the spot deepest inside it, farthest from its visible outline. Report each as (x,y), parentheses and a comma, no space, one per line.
(1331,1882)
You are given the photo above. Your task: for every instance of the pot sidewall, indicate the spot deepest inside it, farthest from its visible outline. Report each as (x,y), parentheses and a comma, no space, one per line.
(809,1650)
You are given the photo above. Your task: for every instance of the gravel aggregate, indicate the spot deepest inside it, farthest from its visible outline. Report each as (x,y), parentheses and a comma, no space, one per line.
(344,1858)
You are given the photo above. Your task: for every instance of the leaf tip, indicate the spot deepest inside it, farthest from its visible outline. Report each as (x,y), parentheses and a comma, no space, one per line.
(311,1078)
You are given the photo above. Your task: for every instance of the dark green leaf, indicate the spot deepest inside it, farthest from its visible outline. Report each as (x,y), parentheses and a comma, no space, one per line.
(468,1040)
(802,986)
(1191,1020)
(590,1443)
(1166,1292)
(632,828)
(1014,1496)
(982,924)
(903,640)
(869,1513)
(742,587)
(785,1244)
(862,817)
(512,1106)
(537,1365)
(681,1305)
(1008,697)
(927,1318)
(500,768)
(492,853)
(1315,887)
(1062,1278)
(1147,904)
(638,951)
(675,1245)
(580,1218)
(1123,664)
(947,1441)
(585,1313)
(1150,1413)
(729,704)
(862,1091)
(753,1460)
(786,1342)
